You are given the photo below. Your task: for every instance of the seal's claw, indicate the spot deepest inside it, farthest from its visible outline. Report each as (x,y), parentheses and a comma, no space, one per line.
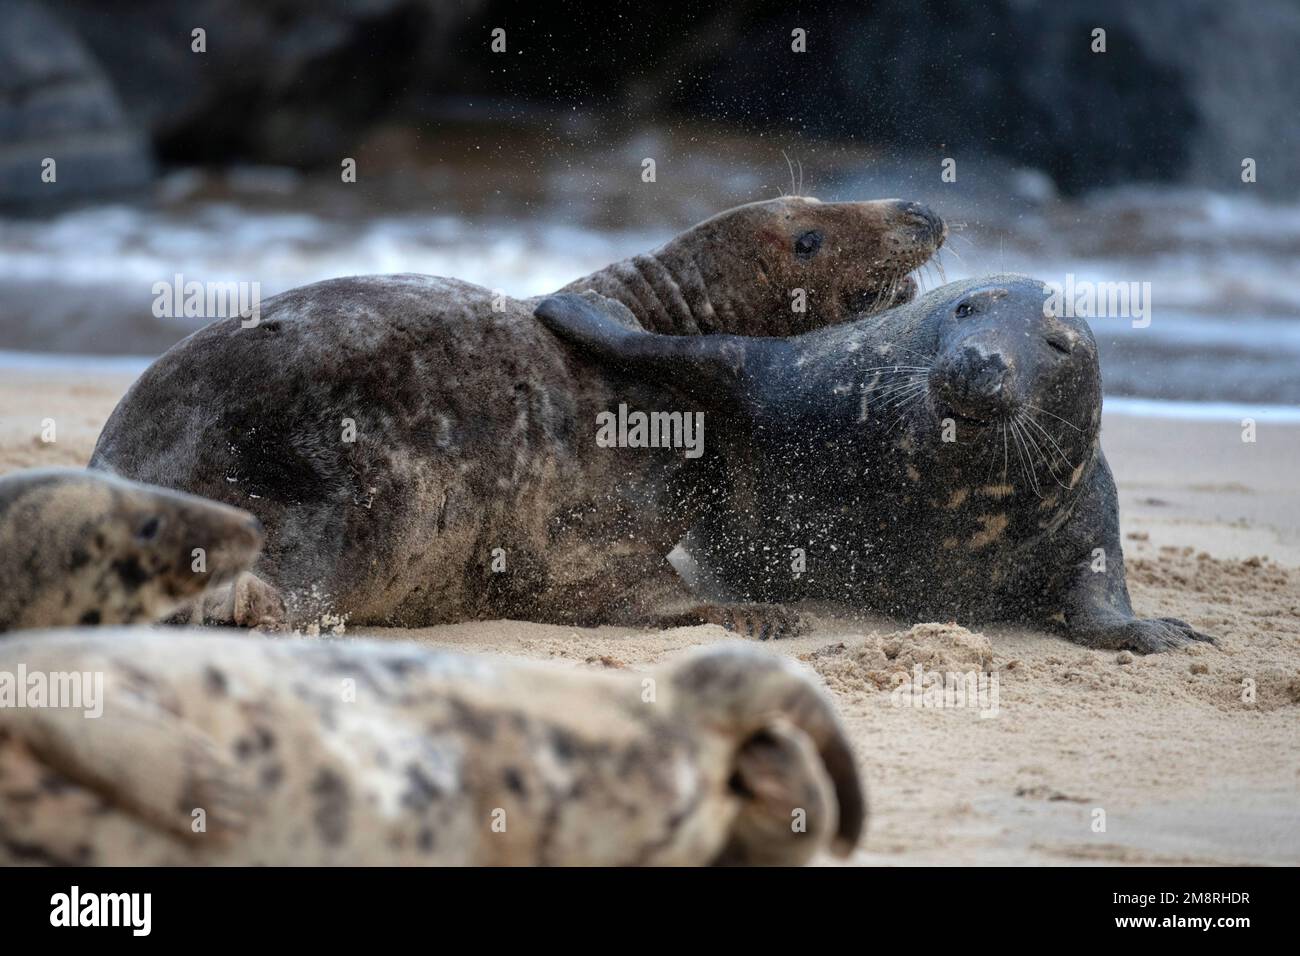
(1152,636)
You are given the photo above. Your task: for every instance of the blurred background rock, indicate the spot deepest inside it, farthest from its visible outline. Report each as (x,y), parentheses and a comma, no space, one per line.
(521,169)
(1184,87)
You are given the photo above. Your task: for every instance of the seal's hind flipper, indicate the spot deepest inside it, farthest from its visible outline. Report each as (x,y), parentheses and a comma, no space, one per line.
(143,759)
(702,366)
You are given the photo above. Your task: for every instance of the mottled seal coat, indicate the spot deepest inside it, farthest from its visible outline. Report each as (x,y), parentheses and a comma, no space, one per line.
(936,461)
(81,547)
(419,456)
(244,750)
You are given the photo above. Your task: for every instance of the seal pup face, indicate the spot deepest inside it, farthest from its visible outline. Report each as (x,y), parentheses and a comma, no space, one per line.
(786,266)
(86,547)
(1008,372)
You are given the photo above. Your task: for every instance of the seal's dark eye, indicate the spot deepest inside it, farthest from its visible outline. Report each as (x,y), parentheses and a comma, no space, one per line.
(964,310)
(806,246)
(149,530)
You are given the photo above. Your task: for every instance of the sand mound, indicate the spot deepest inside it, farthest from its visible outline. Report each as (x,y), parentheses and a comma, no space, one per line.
(883,661)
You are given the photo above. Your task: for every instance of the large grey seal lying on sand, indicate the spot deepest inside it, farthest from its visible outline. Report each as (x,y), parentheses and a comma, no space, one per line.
(936,461)
(419,457)
(242,750)
(80,547)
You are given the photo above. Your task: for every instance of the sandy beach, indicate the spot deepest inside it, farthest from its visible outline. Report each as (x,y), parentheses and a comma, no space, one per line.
(1188,757)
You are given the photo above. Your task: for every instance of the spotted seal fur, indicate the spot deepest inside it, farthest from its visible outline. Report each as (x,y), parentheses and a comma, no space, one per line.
(937,461)
(80,547)
(215,749)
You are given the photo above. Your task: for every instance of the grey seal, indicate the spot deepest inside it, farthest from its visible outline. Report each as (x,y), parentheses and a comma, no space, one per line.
(421,450)
(937,461)
(80,547)
(215,749)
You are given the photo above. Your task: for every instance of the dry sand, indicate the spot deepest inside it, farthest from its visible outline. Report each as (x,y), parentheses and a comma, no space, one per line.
(1185,766)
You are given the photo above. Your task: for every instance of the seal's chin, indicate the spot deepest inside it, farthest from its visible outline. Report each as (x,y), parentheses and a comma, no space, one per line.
(899,292)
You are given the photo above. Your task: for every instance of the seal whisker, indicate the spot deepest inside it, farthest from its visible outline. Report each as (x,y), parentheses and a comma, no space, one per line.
(1057,417)
(904,395)
(1004,453)
(1051,467)
(1046,434)
(1025,458)
(896,387)
(901,408)
(790,166)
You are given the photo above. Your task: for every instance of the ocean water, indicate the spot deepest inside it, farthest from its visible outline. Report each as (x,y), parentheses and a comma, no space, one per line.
(1223,337)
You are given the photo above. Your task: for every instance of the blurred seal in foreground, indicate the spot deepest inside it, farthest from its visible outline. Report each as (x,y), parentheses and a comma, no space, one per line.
(422,450)
(83,547)
(938,461)
(241,750)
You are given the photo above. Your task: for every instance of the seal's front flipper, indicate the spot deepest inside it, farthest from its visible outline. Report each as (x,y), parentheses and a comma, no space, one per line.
(143,759)
(705,366)
(1097,613)
(248,601)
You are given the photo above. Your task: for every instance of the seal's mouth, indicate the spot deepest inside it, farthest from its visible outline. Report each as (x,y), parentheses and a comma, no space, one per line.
(899,292)
(979,422)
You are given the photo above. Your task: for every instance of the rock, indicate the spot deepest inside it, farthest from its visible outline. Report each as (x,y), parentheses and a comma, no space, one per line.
(56,103)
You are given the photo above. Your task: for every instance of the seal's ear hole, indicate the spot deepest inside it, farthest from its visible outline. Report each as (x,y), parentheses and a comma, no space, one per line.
(149,528)
(807,244)
(964,309)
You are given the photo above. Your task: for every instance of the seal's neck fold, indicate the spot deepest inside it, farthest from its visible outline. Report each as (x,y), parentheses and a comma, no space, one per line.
(664,289)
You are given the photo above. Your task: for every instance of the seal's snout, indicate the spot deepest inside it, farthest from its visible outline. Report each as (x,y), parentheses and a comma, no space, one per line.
(924,218)
(975,382)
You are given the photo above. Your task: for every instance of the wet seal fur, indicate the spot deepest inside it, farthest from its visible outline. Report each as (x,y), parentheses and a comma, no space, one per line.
(834,443)
(80,547)
(474,434)
(435,758)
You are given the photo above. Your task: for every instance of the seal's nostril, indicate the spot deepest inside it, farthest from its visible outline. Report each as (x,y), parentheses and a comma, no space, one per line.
(922,215)
(1057,344)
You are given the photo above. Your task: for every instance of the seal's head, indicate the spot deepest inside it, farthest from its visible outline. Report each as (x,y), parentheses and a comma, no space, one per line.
(1006,369)
(839,258)
(1000,350)
(86,547)
(779,267)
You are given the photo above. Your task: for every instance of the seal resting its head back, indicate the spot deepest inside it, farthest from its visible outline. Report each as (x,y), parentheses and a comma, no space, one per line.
(80,547)
(937,461)
(215,749)
(422,450)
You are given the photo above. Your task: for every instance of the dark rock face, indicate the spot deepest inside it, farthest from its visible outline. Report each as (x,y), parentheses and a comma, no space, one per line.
(1007,77)
(56,103)
(1186,89)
